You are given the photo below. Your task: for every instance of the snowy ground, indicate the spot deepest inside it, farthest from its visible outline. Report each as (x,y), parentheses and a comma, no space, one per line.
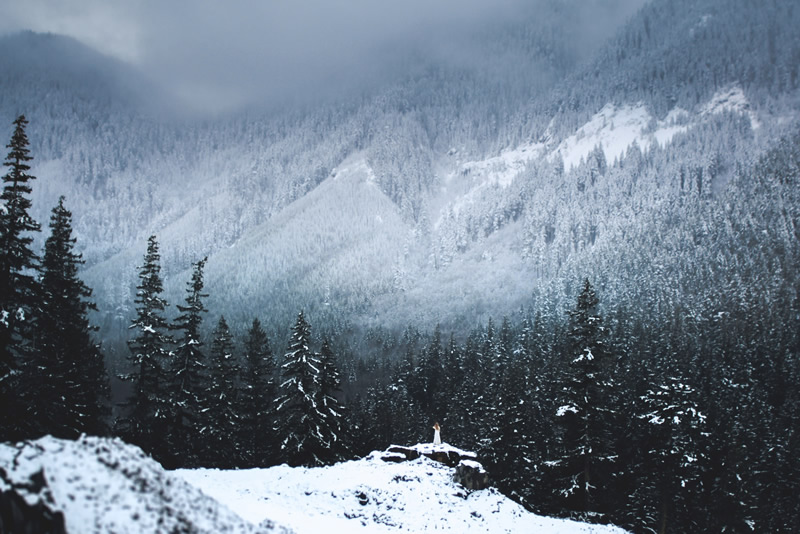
(104,485)
(371,495)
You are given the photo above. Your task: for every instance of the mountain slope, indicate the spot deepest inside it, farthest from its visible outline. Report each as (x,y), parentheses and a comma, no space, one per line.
(476,173)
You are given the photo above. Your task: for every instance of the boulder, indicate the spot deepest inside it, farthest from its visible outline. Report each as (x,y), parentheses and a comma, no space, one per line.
(471,475)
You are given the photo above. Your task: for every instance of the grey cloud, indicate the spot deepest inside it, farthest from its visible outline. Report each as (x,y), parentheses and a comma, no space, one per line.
(223,54)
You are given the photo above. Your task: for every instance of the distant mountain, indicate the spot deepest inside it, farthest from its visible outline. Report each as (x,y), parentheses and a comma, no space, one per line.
(461,187)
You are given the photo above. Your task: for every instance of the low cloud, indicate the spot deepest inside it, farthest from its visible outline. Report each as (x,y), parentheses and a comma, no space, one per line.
(223,54)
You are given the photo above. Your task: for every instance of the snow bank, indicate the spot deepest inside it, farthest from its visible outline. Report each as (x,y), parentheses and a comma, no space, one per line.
(105,485)
(373,496)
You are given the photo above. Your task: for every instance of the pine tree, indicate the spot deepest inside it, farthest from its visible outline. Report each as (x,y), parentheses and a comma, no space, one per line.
(299,419)
(70,380)
(190,369)
(586,397)
(258,397)
(222,418)
(672,454)
(152,412)
(19,291)
(330,383)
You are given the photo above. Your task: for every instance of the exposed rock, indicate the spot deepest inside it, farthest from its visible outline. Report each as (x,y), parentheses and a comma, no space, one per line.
(17,515)
(471,475)
(443,453)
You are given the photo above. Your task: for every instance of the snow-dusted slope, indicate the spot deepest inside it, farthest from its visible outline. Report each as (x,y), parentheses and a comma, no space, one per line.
(373,496)
(105,485)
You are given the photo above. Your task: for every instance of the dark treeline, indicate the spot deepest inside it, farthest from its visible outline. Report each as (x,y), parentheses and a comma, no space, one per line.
(650,417)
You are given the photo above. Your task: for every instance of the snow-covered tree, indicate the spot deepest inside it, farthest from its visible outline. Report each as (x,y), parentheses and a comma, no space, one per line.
(190,368)
(673,456)
(330,383)
(153,411)
(300,421)
(19,291)
(257,397)
(68,383)
(586,408)
(221,418)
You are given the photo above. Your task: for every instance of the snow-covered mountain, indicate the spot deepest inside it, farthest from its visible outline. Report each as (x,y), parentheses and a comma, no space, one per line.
(448,192)
(99,485)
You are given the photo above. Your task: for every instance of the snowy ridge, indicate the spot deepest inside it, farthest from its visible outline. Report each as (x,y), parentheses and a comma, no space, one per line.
(615,128)
(371,495)
(730,99)
(105,485)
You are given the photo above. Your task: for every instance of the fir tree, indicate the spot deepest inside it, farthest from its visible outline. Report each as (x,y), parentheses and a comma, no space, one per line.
(152,412)
(672,455)
(70,380)
(221,416)
(19,291)
(297,410)
(586,396)
(330,383)
(258,397)
(190,369)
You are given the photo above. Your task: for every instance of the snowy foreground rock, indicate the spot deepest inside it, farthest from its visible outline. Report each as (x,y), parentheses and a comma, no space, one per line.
(99,485)
(373,495)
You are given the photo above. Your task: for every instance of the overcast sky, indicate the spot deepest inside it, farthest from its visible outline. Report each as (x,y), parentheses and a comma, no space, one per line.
(235,49)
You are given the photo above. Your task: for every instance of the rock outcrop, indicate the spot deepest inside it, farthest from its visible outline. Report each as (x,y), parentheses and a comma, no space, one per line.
(468,471)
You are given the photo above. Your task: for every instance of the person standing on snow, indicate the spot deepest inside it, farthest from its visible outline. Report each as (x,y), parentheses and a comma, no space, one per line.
(437,438)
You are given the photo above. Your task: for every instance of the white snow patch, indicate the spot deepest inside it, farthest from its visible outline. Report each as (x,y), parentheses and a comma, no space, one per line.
(472,464)
(732,99)
(613,129)
(498,170)
(563,410)
(373,496)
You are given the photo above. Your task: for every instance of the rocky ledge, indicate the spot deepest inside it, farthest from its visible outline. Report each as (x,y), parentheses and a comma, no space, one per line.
(468,471)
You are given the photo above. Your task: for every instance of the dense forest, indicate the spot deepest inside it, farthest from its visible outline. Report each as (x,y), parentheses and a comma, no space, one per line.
(666,416)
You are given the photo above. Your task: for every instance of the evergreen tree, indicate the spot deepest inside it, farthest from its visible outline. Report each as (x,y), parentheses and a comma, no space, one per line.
(19,291)
(190,372)
(258,397)
(672,458)
(586,395)
(152,412)
(69,393)
(330,383)
(222,420)
(299,419)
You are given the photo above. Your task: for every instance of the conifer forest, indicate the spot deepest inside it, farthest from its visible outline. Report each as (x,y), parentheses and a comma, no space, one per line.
(583,262)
